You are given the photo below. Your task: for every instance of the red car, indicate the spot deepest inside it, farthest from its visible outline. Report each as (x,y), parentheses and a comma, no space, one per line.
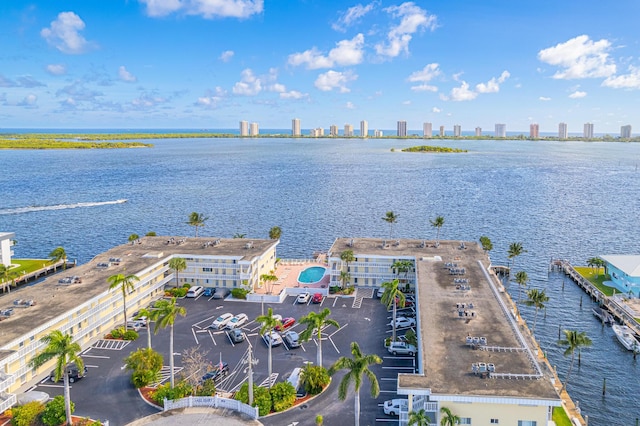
(286,323)
(317,298)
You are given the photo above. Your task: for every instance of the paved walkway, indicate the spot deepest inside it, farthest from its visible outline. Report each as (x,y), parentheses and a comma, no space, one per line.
(196,416)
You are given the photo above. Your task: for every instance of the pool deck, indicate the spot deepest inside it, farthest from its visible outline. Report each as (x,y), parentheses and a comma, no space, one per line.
(288,270)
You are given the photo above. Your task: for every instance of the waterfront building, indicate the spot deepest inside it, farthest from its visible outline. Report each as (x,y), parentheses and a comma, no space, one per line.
(80,302)
(457,131)
(478,132)
(625,132)
(378,133)
(501,131)
(348,131)
(253,129)
(295,127)
(6,242)
(427,130)
(441,131)
(588,131)
(625,273)
(318,132)
(562,131)
(333,130)
(364,129)
(402,129)
(244,128)
(534,131)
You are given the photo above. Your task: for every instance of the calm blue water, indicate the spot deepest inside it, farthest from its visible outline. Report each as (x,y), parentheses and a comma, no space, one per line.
(311,275)
(572,200)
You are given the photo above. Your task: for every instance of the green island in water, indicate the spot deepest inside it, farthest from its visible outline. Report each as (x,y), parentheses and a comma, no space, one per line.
(49,141)
(428,148)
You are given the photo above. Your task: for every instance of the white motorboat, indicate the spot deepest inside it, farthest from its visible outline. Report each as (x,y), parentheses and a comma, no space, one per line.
(626,337)
(604,316)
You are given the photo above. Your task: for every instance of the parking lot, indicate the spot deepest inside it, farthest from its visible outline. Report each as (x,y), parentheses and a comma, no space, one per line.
(362,319)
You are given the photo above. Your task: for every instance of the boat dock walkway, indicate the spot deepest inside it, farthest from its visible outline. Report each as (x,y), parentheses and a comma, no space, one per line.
(47,268)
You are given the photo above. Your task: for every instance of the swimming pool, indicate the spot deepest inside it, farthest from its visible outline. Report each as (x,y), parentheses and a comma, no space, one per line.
(311,275)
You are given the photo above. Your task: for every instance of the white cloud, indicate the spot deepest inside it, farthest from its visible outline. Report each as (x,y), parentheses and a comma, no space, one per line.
(625,81)
(544,98)
(205,8)
(493,85)
(349,105)
(212,99)
(580,57)
(436,110)
(226,55)
(424,88)
(29,101)
(293,94)
(277,87)
(346,52)
(423,76)
(56,69)
(148,100)
(64,34)
(352,15)
(249,84)
(126,75)
(406,102)
(578,94)
(412,19)
(335,80)
(461,93)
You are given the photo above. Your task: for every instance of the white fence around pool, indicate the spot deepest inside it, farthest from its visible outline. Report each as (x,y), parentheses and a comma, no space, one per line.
(213,402)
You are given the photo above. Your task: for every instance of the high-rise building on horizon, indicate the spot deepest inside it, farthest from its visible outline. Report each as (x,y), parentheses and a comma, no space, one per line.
(534,130)
(295,127)
(427,130)
(244,128)
(364,129)
(478,132)
(588,131)
(318,132)
(402,129)
(625,132)
(333,130)
(563,132)
(377,133)
(501,130)
(441,131)
(253,129)
(457,131)
(348,131)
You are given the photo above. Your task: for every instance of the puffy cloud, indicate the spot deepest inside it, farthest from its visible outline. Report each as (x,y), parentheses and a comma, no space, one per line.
(293,94)
(436,110)
(346,52)
(578,94)
(64,34)
(277,87)
(56,69)
(424,88)
(461,93)
(406,102)
(493,85)
(249,84)
(29,101)
(580,57)
(226,55)
(544,98)
(349,105)
(206,8)
(24,81)
(423,76)
(212,98)
(625,81)
(126,75)
(335,80)
(352,15)
(412,19)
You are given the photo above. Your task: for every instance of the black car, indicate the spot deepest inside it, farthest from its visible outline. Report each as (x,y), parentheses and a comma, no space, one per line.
(219,371)
(73,372)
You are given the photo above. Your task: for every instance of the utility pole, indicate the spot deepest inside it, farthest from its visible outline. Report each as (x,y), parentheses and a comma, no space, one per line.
(250,378)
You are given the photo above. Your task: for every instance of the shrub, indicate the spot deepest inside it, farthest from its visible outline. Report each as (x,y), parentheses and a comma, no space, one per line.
(54,412)
(26,415)
(283,396)
(319,420)
(348,290)
(239,293)
(117,333)
(88,422)
(314,378)
(206,388)
(130,335)
(261,398)
(411,337)
(187,286)
(334,289)
(180,390)
(177,292)
(143,378)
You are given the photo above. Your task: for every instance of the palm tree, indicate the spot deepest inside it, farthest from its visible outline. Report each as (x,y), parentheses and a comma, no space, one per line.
(178,264)
(402,267)
(448,418)
(148,313)
(133,238)
(522,279)
(573,340)
(390,218)
(269,279)
(391,298)
(65,351)
(165,314)
(345,277)
(346,257)
(197,220)
(7,275)
(275,233)
(58,254)
(269,322)
(126,285)
(536,298)
(419,418)
(515,250)
(315,322)
(239,235)
(356,367)
(437,223)
(486,243)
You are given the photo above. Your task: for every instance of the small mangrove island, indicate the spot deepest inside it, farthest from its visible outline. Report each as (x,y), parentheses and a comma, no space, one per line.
(42,141)
(428,148)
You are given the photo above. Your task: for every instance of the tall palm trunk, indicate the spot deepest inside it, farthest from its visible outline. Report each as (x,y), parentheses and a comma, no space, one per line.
(148,332)
(393,339)
(356,405)
(124,304)
(67,396)
(270,367)
(319,355)
(566,381)
(171,355)
(535,320)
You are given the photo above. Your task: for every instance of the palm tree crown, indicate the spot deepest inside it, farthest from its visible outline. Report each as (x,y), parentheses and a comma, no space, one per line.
(126,283)
(178,264)
(515,250)
(537,299)
(390,218)
(522,279)
(573,340)
(58,254)
(391,298)
(275,233)
(315,322)
(419,418)
(448,418)
(197,220)
(437,223)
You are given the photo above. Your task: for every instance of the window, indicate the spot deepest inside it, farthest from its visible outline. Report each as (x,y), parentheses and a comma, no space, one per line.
(494,421)
(465,420)
(526,423)
(207,269)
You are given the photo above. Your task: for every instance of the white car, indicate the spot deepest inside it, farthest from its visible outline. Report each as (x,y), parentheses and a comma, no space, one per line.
(401,348)
(221,321)
(237,321)
(404,322)
(303,298)
(272,339)
(392,407)
(137,323)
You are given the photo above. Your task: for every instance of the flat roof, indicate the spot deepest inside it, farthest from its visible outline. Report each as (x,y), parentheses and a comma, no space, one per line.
(627,263)
(53,299)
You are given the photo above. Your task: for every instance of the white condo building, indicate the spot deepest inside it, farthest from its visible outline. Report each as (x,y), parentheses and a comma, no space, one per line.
(254,130)
(588,131)
(333,130)
(441,131)
(6,242)
(348,130)
(402,129)
(364,129)
(427,130)
(377,133)
(563,132)
(244,128)
(295,127)
(625,132)
(457,130)
(478,131)
(501,131)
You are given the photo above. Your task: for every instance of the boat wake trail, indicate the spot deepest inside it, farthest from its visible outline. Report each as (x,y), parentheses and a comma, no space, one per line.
(19,210)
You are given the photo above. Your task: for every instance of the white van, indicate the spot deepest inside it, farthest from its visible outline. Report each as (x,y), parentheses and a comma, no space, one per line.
(195,291)
(296,381)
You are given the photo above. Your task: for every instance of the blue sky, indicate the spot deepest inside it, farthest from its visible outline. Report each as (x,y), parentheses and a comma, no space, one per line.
(206,64)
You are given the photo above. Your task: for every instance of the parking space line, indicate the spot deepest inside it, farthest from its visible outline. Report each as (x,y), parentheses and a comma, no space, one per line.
(194,336)
(96,356)
(230,341)
(91,366)
(398,368)
(389,379)
(388,391)
(386,420)
(335,300)
(212,338)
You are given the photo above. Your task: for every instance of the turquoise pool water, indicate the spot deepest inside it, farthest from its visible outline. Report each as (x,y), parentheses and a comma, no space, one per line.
(311,275)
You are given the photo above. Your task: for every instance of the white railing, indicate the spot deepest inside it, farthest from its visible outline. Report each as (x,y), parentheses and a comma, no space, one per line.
(213,402)
(6,403)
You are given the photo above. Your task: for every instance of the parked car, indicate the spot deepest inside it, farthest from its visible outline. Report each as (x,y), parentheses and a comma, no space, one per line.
(208,292)
(221,293)
(272,339)
(237,321)
(73,372)
(219,371)
(292,339)
(236,335)
(404,322)
(221,321)
(401,348)
(195,291)
(277,317)
(317,298)
(286,323)
(392,407)
(303,298)
(137,323)
(380,292)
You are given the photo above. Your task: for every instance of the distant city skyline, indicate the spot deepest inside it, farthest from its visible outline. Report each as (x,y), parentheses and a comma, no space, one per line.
(197,64)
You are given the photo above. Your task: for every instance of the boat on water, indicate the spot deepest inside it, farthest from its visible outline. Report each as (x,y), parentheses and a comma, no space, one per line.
(626,337)
(603,315)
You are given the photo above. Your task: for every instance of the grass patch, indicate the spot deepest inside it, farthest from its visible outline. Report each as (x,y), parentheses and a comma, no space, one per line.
(28,265)
(427,148)
(596,279)
(560,417)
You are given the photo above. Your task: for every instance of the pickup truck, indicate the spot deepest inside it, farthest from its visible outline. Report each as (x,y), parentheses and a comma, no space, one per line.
(401,348)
